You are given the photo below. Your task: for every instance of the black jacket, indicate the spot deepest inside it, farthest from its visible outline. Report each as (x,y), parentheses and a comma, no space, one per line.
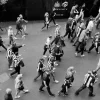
(8,97)
(15,49)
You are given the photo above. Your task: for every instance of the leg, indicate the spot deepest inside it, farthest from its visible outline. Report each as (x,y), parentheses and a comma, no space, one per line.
(44,26)
(18,70)
(66,33)
(90,91)
(72,40)
(75,42)
(47,26)
(13,72)
(92,46)
(42,86)
(45,49)
(80,89)
(82,51)
(53,20)
(69,33)
(56,81)
(4,46)
(97,26)
(49,91)
(77,47)
(9,62)
(17,93)
(96,48)
(37,76)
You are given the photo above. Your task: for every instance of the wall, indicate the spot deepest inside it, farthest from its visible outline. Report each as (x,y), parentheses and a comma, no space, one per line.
(34,9)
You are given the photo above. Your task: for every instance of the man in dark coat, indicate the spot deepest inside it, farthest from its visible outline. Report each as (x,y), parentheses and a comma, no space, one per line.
(8,95)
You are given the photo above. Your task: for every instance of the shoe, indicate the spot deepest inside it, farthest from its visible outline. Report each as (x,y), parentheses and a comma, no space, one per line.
(55,64)
(35,80)
(56,81)
(26,91)
(15,38)
(18,96)
(23,36)
(10,69)
(41,90)
(71,41)
(65,95)
(76,93)
(76,54)
(98,52)
(52,95)
(56,24)
(91,95)
(74,45)
(82,55)
(44,56)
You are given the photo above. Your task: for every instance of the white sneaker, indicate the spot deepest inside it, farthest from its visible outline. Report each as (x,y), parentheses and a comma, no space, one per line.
(76,54)
(44,56)
(98,52)
(56,24)
(18,96)
(23,36)
(55,63)
(82,55)
(56,81)
(54,69)
(26,91)
(15,38)
(10,69)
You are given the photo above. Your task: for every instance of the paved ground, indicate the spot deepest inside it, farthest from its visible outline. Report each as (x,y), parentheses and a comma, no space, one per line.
(31,54)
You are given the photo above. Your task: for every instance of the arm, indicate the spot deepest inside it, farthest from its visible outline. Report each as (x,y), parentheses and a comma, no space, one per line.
(53,41)
(21,46)
(45,83)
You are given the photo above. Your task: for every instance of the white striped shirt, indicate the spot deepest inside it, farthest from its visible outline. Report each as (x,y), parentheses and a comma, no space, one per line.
(88,80)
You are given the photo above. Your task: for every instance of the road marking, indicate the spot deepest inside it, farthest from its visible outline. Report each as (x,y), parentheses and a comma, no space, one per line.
(4,77)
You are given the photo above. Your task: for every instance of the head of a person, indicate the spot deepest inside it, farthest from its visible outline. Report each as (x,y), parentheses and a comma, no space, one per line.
(20,16)
(8,91)
(10,27)
(46,14)
(19,77)
(42,60)
(54,9)
(98,33)
(13,44)
(94,72)
(76,5)
(50,36)
(71,69)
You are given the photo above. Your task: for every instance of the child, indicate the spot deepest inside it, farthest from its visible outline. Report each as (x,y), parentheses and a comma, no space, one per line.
(19,86)
(46,21)
(69,78)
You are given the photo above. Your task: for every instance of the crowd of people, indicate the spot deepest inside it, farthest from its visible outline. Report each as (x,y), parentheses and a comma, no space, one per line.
(78,31)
